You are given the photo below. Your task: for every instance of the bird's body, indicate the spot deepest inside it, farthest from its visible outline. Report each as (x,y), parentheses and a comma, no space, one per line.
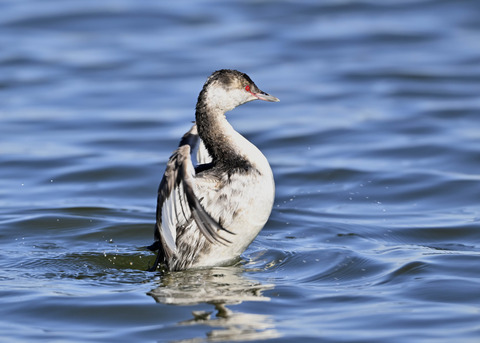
(208,214)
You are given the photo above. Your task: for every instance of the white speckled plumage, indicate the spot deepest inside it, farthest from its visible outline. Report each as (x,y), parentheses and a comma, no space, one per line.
(208,214)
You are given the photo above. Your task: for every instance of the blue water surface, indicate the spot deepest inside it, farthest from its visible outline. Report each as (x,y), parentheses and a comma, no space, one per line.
(375,147)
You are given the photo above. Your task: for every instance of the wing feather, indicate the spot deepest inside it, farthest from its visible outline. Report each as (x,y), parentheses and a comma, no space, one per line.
(203,157)
(207,225)
(177,203)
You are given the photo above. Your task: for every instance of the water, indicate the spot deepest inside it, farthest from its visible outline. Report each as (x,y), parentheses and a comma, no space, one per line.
(375,147)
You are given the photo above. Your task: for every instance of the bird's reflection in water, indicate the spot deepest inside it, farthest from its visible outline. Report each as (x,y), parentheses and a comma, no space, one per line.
(219,286)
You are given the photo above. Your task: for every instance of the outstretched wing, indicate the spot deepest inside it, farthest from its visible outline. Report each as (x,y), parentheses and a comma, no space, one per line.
(177,203)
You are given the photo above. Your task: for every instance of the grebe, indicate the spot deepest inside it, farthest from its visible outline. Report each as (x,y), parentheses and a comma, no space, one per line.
(208,214)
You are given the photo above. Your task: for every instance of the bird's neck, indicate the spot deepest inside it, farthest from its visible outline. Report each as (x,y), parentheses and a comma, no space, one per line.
(223,143)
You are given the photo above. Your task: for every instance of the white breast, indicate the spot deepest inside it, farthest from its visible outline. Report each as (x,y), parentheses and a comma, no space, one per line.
(245,204)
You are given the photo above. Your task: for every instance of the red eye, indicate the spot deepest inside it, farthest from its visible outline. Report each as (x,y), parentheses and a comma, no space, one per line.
(247,88)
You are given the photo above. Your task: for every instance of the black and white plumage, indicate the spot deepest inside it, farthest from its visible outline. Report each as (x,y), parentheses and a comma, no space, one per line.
(208,213)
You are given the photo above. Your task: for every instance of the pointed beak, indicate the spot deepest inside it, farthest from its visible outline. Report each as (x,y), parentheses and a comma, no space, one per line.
(266,97)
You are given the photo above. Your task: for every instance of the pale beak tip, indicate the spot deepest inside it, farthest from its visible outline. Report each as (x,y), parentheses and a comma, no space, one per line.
(267,97)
